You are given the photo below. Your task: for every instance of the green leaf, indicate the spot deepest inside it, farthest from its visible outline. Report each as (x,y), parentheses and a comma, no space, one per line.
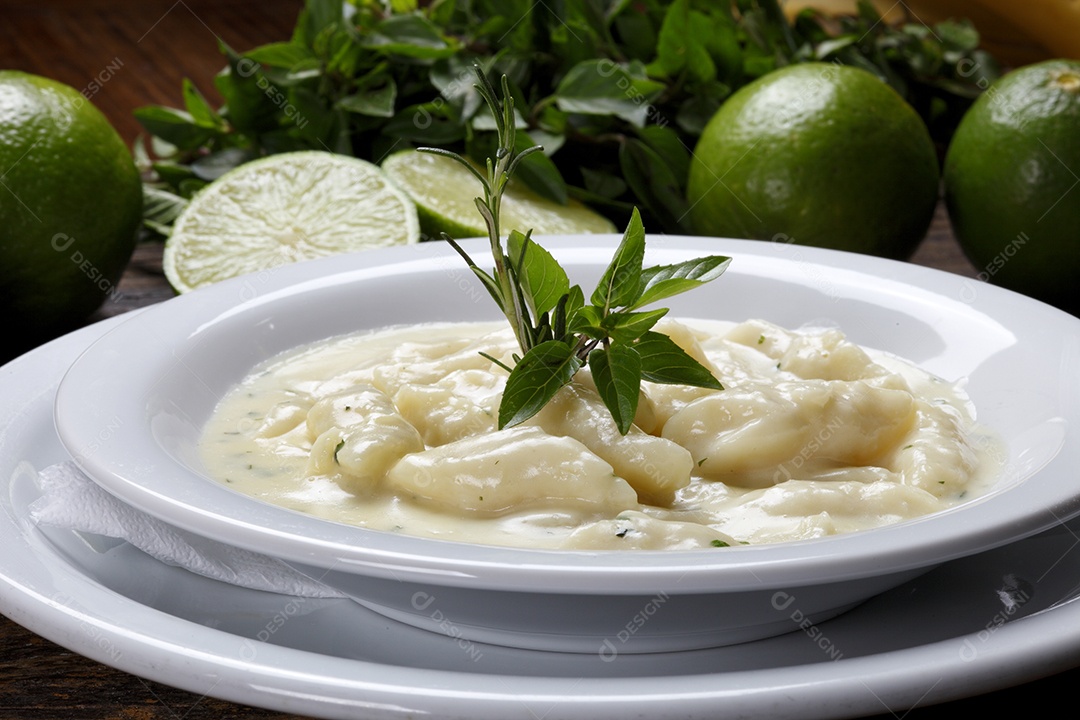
(604,184)
(410,35)
(617,374)
(625,327)
(374,103)
(161,208)
(317,16)
(426,124)
(567,307)
(198,107)
(664,281)
(453,79)
(621,282)
(248,108)
(654,183)
(172,173)
(602,87)
(214,165)
(667,143)
(587,320)
(682,42)
(696,111)
(539,172)
(542,278)
(280,54)
(175,127)
(663,361)
(535,379)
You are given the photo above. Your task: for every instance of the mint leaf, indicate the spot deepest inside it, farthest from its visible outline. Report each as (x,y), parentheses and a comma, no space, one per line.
(378,102)
(664,281)
(662,361)
(535,380)
(602,87)
(617,374)
(542,278)
(588,320)
(409,35)
(629,326)
(280,54)
(621,282)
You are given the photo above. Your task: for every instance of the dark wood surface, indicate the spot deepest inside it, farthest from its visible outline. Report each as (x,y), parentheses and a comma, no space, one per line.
(150,46)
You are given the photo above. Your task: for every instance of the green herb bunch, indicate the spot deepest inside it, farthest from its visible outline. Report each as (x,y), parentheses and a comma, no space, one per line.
(627,85)
(557,331)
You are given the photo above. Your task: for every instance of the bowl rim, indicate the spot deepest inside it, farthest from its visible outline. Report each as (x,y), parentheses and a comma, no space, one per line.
(118,361)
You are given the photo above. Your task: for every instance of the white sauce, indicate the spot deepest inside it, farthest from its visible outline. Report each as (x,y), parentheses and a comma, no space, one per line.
(395,431)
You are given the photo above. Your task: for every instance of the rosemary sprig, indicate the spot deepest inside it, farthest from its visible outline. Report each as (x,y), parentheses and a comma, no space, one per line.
(557,331)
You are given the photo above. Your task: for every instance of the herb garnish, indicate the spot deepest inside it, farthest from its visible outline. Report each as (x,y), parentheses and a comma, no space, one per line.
(557,331)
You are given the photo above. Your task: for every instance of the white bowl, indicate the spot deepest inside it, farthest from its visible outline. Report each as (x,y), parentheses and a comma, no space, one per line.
(130,411)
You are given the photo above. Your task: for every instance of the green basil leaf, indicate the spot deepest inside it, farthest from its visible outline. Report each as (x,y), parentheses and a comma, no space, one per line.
(617,374)
(621,282)
(603,87)
(410,35)
(542,277)
(667,143)
(172,173)
(280,54)
(696,111)
(538,171)
(682,42)
(664,281)
(567,307)
(655,184)
(197,106)
(426,124)
(316,16)
(625,327)
(453,79)
(663,361)
(535,380)
(373,103)
(604,184)
(247,106)
(175,127)
(587,320)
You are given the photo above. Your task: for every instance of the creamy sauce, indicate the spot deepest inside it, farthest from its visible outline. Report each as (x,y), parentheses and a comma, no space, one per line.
(395,431)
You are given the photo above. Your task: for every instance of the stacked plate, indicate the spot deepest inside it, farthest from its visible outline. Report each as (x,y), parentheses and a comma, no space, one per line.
(506,632)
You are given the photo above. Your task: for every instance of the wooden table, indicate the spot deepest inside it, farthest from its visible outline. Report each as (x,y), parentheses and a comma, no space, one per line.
(144,49)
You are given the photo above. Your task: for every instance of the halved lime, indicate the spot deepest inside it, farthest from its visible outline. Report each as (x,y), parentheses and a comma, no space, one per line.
(282,209)
(444,194)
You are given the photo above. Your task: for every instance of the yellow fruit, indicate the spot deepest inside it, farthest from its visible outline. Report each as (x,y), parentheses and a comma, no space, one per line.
(1012,182)
(816,154)
(70,206)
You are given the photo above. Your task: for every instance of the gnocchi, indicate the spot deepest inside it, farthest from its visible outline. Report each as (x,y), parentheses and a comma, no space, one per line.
(396,431)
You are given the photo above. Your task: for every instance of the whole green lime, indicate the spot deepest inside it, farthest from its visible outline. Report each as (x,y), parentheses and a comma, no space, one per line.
(70,206)
(816,154)
(1012,182)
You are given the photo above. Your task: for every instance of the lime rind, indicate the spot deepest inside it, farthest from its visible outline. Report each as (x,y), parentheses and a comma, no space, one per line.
(444,193)
(286,208)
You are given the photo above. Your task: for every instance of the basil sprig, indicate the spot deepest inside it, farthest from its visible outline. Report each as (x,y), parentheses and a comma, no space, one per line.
(557,331)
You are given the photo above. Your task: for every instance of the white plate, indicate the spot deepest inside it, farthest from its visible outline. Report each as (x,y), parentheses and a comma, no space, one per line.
(132,408)
(993,620)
